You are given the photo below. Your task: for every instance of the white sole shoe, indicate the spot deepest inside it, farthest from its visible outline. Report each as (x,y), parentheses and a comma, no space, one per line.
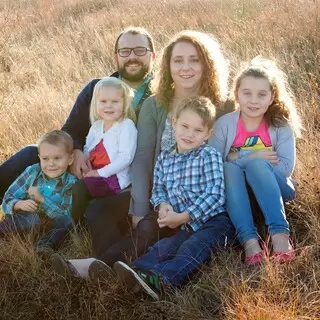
(132,280)
(98,270)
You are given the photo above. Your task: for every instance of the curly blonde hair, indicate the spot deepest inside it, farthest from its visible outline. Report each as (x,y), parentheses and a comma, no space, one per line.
(127,94)
(214,81)
(282,111)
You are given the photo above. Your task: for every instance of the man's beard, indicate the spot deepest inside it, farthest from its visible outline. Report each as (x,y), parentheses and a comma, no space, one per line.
(135,77)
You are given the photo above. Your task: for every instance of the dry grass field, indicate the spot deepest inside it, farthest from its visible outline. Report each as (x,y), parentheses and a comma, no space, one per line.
(50,49)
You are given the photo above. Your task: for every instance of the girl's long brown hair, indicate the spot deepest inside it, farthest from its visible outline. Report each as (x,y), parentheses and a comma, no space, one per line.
(282,111)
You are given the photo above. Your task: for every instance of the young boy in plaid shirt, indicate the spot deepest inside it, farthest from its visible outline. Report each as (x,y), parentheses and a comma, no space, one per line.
(188,192)
(43,188)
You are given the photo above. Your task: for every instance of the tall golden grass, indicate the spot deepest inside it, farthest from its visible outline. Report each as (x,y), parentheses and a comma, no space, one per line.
(50,49)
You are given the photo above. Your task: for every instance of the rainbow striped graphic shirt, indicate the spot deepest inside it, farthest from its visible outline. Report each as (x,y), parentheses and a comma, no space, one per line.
(254,140)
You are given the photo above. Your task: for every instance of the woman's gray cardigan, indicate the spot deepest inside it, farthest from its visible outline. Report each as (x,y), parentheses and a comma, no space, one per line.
(150,126)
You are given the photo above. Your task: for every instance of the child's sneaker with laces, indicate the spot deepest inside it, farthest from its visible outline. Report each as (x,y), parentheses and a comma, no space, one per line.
(136,279)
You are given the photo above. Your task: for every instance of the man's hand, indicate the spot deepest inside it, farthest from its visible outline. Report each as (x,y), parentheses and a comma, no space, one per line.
(173,219)
(268,155)
(164,208)
(135,221)
(25,205)
(80,165)
(34,193)
(91,173)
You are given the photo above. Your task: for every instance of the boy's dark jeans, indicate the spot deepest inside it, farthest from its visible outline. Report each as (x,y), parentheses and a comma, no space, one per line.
(23,221)
(178,257)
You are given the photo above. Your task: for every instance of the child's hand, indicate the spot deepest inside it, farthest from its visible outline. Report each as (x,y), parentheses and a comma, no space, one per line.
(268,155)
(91,173)
(164,208)
(173,219)
(25,205)
(34,193)
(233,156)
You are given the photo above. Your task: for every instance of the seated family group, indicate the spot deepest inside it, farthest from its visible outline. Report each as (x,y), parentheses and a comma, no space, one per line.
(161,197)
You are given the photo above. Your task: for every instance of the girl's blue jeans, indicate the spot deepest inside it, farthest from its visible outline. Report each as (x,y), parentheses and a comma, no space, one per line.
(179,256)
(59,227)
(270,187)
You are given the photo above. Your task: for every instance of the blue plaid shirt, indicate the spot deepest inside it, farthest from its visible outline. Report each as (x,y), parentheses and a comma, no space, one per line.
(57,192)
(190,182)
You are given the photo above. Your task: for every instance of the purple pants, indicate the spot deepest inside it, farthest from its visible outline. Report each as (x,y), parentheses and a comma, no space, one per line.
(101,187)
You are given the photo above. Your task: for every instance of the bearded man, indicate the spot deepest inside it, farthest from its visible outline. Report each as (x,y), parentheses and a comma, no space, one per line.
(134,56)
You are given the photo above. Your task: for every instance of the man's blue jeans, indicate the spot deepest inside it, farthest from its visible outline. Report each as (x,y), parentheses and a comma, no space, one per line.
(179,256)
(270,187)
(14,166)
(23,221)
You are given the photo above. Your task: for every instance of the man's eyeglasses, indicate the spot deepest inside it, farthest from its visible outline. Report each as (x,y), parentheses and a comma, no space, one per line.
(138,51)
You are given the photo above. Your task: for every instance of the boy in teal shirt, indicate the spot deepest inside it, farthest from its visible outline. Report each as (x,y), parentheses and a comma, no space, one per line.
(43,188)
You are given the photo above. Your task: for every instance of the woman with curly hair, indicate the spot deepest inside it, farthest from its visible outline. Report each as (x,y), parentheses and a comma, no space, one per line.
(192,65)
(257,143)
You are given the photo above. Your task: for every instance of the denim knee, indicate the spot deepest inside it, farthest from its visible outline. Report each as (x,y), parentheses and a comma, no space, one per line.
(232,172)
(230,165)
(256,165)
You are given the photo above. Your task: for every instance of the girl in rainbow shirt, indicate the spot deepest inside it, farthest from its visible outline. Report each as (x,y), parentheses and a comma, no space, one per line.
(257,142)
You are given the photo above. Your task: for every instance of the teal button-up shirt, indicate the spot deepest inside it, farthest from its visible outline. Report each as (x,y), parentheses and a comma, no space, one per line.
(57,192)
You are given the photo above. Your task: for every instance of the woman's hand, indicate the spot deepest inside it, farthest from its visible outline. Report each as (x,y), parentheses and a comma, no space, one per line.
(135,221)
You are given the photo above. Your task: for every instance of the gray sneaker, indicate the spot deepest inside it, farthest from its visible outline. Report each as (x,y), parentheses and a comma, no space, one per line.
(98,270)
(63,267)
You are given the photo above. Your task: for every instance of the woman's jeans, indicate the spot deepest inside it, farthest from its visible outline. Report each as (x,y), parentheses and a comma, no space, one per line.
(270,187)
(178,257)
(113,238)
